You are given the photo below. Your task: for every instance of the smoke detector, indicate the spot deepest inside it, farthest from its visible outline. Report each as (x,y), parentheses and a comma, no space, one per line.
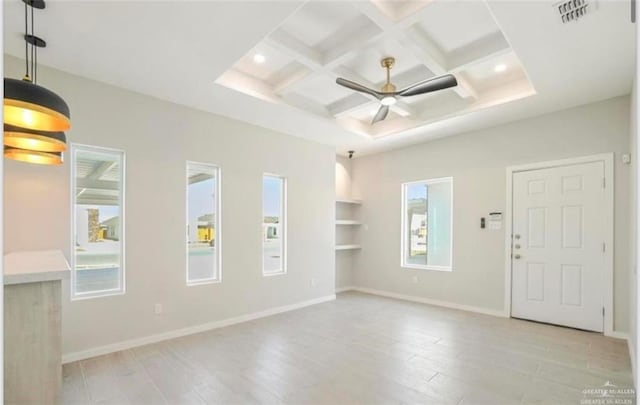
(572,10)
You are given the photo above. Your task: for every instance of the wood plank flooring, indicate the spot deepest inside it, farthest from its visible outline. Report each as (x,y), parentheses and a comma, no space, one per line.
(360,349)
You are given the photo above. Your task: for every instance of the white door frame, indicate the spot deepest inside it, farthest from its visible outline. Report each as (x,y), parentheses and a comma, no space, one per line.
(608,160)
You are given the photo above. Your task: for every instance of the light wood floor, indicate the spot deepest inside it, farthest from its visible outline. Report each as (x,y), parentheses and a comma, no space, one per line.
(359,349)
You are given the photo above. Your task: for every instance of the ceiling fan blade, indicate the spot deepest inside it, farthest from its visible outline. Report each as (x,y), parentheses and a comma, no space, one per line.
(429,85)
(381,114)
(357,87)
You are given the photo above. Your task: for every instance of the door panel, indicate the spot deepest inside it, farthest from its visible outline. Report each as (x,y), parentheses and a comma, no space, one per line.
(558,236)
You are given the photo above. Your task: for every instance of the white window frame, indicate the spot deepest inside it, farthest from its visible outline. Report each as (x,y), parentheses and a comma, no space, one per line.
(218,227)
(283,215)
(121,202)
(403,226)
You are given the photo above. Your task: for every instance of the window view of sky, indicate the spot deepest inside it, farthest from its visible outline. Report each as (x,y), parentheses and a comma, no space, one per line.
(108,211)
(271,196)
(201,198)
(415,191)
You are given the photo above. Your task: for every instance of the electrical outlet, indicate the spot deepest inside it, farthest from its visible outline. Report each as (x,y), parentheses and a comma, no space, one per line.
(414,279)
(313,281)
(157,309)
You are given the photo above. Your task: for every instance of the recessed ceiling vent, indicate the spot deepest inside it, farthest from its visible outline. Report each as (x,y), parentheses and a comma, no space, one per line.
(573,10)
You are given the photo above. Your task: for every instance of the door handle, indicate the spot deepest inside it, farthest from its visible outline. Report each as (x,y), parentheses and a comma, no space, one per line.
(517,256)
(516,246)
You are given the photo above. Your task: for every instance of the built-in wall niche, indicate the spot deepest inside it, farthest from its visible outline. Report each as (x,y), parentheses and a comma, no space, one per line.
(348,224)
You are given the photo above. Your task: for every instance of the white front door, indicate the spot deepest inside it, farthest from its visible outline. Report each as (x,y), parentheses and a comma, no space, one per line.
(558,246)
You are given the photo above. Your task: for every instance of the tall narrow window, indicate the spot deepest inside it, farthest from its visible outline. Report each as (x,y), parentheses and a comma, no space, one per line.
(98,221)
(274,238)
(427,224)
(203,224)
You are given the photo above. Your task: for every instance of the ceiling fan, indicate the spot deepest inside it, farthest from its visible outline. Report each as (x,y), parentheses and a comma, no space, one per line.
(388,94)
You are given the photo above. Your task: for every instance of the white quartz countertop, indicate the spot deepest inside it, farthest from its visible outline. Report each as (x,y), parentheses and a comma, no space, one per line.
(35,266)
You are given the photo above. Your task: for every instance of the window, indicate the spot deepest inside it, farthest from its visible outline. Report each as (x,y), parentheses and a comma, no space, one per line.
(427,224)
(98,221)
(203,224)
(274,236)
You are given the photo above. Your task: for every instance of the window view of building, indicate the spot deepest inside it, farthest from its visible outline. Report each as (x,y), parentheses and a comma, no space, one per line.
(426,224)
(273,225)
(98,197)
(203,246)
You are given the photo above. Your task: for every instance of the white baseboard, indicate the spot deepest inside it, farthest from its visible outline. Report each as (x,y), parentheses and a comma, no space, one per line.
(618,335)
(632,354)
(128,344)
(343,289)
(446,304)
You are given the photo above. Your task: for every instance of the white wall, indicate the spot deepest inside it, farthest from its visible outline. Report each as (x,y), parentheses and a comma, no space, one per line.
(344,234)
(477,162)
(158,138)
(633,232)
(634,281)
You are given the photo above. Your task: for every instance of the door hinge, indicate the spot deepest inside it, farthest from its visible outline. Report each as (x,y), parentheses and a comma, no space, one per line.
(604,182)
(604,247)
(602,311)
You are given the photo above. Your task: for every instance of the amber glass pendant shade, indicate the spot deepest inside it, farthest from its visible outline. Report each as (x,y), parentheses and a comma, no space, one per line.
(32,156)
(41,141)
(30,106)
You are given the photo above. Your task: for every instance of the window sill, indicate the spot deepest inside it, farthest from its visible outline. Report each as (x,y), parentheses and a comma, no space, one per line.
(431,268)
(275,273)
(88,296)
(203,282)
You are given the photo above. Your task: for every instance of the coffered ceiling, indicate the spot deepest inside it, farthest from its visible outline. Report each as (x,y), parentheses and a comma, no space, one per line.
(297,64)
(201,54)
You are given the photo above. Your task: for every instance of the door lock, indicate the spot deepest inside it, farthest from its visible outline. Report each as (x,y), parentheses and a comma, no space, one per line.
(517,257)
(516,246)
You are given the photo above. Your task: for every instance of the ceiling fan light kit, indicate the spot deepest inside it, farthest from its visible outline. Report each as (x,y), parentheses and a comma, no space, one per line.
(388,95)
(34,117)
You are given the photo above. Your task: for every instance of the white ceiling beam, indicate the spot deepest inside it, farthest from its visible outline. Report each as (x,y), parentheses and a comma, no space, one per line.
(306,104)
(426,51)
(291,74)
(98,200)
(98,184)
(239,81)
(197,178)
(398,11)
(295,49)
(403,109)
(486,48)
(101,169)
(348,104)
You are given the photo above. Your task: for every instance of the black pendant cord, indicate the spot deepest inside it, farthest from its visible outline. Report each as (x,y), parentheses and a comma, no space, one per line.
(33,51)
(26,44)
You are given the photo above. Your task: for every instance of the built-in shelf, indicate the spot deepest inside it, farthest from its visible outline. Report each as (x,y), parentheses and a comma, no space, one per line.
(348,201)
(347,222)
(347,247)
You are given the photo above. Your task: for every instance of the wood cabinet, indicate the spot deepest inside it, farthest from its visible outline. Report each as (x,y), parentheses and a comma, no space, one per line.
(32,327)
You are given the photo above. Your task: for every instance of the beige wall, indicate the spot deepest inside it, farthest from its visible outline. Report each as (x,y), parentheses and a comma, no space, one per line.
(158,137)
(477,162)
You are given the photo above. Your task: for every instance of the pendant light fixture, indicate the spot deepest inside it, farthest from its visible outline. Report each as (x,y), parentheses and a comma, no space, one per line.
(42,141)
(33,156)
(34,116)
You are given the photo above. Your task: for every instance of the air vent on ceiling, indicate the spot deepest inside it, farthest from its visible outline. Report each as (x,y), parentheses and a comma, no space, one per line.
(572,10)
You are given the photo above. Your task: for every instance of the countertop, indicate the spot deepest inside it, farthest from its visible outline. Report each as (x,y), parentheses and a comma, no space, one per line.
(35,266)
